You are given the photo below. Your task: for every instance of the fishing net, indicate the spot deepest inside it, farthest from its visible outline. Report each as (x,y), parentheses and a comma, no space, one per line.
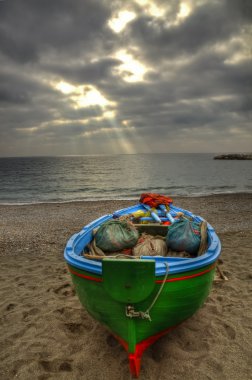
(184,235)
(95,252)
(149,245)
(116,235)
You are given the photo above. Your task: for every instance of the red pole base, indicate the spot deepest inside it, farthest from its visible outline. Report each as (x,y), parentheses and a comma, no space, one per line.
(134,364)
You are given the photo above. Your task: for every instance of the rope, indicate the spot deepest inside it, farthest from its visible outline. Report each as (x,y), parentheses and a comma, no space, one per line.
(203,242)
(130,311)
(160,289)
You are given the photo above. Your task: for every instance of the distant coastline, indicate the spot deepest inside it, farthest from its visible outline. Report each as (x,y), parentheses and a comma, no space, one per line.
(234,156)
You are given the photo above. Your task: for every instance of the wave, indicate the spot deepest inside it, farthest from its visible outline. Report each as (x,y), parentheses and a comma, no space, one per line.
(126,198)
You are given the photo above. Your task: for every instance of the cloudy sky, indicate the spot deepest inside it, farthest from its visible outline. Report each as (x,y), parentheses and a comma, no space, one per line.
(140,76)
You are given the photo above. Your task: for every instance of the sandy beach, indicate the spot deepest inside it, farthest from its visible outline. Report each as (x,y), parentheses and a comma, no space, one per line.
(46,334)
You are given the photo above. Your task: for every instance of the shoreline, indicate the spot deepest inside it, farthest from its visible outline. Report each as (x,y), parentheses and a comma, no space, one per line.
(130,199)
(46,334)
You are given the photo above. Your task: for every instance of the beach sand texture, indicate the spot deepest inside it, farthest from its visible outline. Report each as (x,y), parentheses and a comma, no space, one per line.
(46,334)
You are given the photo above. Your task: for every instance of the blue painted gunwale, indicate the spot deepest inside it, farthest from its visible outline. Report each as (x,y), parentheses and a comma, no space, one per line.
(78,241)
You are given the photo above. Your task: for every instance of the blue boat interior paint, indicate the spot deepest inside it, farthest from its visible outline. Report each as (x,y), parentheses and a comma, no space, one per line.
(76,244)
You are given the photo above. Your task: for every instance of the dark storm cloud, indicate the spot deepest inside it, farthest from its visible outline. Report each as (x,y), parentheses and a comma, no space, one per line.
(15,48)
(195,87)
(241,9)
(85,73)
(7,96)
(29,28)
(208,25)
(18,87)
(193,98)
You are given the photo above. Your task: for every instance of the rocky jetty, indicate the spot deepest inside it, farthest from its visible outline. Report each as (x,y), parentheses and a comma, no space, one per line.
(234,156)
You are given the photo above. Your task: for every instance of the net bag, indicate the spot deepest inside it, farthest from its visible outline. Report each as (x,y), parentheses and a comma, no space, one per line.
(116,235)
(184,235)
(149,245)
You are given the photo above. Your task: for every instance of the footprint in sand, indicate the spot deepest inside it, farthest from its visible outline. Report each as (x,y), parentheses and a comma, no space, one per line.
(30,312)
(11,306)
(65,366)
(111,341)
(230,331)
(65,290)
(74,328)
(157,353)
(55,365)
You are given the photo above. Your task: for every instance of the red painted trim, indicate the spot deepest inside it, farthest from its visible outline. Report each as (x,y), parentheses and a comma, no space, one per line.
(141,346)
(187,277)
(90,278)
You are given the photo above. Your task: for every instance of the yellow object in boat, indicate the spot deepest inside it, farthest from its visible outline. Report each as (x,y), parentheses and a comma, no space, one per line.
(140,214)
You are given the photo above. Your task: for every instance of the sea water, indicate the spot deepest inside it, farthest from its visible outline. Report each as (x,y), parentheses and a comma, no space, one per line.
(74,178)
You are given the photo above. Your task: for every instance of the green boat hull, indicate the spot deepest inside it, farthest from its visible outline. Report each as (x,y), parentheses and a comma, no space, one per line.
(138,307)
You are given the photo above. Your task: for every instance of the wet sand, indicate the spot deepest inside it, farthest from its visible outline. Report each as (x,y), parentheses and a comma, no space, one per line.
(46,334)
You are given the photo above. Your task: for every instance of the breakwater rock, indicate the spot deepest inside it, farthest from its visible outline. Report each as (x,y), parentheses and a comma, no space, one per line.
(234,156)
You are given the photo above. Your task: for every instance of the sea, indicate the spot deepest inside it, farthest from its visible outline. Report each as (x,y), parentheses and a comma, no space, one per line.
(25,180)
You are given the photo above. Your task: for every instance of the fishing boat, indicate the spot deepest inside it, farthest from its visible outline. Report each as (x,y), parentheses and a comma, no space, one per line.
(141,299)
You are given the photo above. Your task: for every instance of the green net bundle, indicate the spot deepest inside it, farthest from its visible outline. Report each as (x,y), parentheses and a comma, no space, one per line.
(184,235)
(116,235)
